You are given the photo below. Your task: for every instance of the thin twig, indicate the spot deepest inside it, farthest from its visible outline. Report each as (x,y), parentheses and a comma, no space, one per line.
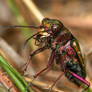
(34,10)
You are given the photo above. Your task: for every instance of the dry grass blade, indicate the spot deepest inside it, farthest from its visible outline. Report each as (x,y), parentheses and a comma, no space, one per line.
(34,10)
(42,85)
(15,59)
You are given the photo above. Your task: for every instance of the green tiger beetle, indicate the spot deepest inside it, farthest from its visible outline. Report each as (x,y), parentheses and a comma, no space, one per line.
(65,50)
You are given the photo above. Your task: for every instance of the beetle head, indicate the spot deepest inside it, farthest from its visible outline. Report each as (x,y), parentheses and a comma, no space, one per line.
(52,26)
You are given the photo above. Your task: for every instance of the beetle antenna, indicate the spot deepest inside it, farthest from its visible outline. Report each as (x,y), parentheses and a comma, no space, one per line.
(22,26)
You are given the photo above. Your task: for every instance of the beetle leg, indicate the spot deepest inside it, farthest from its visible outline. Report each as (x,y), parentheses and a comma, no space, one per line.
(62,62)
(56,81)
(37,51)
(49,64)
(51,59)
(82,80)
(31,55)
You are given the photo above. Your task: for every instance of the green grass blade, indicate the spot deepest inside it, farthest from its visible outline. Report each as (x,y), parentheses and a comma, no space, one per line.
(14,75)
(14,71)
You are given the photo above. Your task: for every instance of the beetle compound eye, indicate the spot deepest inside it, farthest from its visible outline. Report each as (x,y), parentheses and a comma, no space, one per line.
(55,28)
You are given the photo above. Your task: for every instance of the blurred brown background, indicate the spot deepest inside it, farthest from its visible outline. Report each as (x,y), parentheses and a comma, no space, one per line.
(76,15)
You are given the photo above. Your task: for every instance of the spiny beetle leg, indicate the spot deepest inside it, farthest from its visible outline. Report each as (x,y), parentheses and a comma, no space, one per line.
(37,51)
(62,62)
(24,68)
(49,64)
(56,81)
(31,55)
